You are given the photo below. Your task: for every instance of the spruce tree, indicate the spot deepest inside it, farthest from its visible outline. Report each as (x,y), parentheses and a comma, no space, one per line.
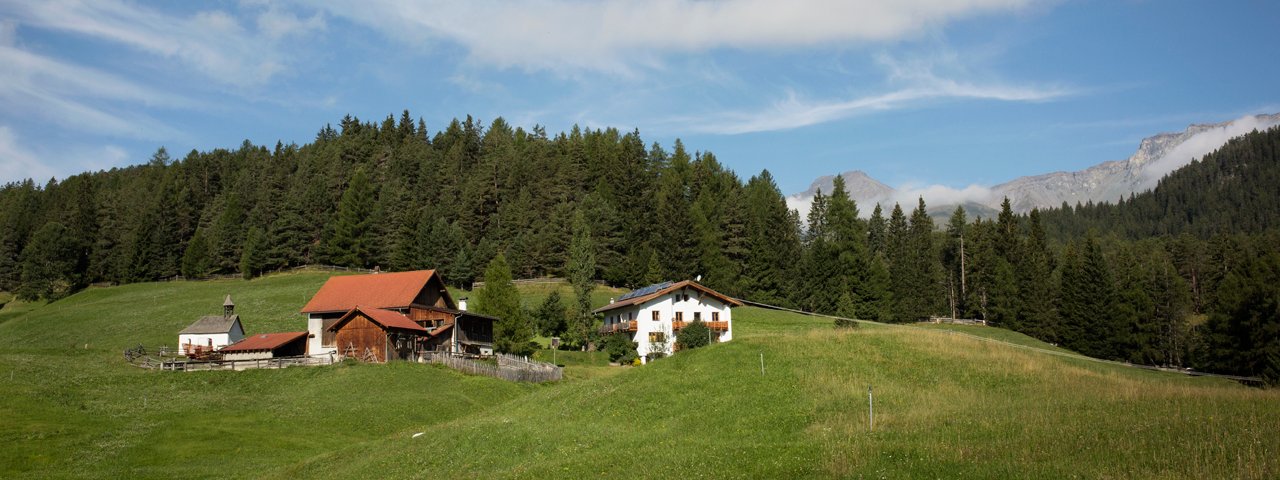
(499,298)
(51,264)
(354,235)
(581,270)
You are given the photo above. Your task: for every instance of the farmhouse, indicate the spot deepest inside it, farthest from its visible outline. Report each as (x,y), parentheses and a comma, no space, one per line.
(267,345)
(211,332)
(385,304)
(652,315)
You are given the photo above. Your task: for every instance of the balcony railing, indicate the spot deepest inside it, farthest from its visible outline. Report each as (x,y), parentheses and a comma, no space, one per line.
(714,326)
(619,327)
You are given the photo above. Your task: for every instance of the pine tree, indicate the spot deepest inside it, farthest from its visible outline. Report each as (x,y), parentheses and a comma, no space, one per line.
(581,270)
(954,261)
(51,264)
(354,235)
(499,298)
(1037,316)
(1087,302)
(195,259)
(876,231)
(552,316)
(253,256)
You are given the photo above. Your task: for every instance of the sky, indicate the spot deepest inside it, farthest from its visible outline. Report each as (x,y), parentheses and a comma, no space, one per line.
(913,92)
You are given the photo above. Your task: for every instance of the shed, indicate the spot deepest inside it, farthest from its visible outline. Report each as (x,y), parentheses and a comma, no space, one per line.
(376,335)
(267,345)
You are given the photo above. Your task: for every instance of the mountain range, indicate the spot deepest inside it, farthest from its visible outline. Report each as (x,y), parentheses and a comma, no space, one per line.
(1108,181)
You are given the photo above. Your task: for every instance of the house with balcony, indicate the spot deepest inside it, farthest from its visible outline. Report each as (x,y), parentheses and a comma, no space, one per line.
(651,316)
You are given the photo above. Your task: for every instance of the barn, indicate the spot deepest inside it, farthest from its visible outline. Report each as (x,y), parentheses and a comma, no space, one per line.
(267,345)
(376,335)
(420,296)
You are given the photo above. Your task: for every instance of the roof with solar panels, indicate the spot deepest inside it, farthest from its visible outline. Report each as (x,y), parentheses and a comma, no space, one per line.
(645,294)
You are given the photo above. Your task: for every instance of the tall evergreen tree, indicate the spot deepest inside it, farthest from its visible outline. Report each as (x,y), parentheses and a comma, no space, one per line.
(499,298)
(581,270)
(354,233)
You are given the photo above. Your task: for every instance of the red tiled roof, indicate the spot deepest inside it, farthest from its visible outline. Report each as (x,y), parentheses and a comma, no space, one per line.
(264,341)
(730,301)
(386,318)
(375,290)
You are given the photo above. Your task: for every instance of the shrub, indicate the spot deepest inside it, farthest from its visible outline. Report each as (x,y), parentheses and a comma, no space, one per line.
(620,348)
(846,323)
(695,334)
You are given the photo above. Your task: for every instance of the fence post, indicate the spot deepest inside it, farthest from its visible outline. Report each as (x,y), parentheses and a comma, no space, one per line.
(871,412)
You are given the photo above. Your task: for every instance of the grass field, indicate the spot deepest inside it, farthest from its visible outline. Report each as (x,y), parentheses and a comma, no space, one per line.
(946,406)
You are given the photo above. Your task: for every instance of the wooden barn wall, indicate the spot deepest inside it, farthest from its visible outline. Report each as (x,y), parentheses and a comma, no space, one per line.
(430,294)
(362,333)
(424,316)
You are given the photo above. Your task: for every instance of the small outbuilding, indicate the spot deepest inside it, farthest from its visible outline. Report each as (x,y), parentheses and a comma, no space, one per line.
(377,335)
(267,345)
(211,332)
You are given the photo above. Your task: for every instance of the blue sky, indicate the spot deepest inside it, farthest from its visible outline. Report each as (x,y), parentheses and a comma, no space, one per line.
(914,92)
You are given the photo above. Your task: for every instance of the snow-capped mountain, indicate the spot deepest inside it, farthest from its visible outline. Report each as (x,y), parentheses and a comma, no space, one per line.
(1156,156)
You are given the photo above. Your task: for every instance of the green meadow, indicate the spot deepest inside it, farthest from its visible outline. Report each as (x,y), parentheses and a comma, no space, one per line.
(946,405)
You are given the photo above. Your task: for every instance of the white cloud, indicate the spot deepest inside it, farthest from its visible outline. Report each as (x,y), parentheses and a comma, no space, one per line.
(212,42)
(914,82)
(1202,144)
(17,162)
(276,23)
(78,97)
(564,35)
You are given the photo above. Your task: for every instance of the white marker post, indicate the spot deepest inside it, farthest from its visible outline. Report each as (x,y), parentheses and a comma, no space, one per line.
(871,411)
(762,364)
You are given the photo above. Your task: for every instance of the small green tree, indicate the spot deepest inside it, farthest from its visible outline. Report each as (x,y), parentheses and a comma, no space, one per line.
(498,297)
(694,335)
(50,263)
(551,316)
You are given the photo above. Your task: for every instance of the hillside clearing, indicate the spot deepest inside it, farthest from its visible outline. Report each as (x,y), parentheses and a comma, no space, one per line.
(946,406)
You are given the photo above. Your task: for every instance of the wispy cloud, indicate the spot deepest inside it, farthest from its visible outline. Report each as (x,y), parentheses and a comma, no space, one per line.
(17,162)
(621,36)
(910,85)
(80,98)
(214,43)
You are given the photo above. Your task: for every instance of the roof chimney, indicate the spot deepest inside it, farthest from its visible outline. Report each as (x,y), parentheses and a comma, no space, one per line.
(228,307)
(462,304)
(610,300)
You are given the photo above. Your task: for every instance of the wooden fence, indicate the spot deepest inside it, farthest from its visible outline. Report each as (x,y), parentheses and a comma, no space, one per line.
(508,367)
(166,359)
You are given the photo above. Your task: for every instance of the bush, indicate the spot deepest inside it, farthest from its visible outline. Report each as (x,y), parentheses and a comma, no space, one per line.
(846,323)
(620,348)
(695,334)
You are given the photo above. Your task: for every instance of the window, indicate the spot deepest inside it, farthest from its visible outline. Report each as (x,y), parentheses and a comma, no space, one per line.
(631,316)
(657,336)
(679,316)
(715,316)
(655,315)
(697,316)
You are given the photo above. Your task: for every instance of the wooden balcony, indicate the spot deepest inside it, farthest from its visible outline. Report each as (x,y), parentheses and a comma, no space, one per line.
(619,327)
(714,326)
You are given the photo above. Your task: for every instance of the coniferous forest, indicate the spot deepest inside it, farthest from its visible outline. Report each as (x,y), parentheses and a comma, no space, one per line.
(1185,275)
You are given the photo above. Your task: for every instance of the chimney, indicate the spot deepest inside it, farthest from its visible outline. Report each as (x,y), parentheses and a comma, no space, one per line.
(462,304)
(610,300)
(228,308)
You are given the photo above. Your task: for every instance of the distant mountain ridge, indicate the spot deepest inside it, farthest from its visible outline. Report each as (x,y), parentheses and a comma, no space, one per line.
(1108,181)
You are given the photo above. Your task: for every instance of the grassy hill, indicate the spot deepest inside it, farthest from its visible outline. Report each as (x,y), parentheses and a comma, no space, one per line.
(946,406)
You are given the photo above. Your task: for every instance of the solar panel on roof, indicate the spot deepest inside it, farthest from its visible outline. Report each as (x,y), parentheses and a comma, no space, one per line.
(640,292)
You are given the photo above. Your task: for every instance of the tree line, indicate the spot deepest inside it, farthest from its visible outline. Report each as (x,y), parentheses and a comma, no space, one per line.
(389,194)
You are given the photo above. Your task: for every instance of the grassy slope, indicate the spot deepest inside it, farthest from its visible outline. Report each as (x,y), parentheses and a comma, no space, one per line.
(947,406)
(68,411)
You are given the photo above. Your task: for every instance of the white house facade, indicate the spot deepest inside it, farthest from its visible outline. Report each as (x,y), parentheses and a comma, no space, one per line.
(653,315)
